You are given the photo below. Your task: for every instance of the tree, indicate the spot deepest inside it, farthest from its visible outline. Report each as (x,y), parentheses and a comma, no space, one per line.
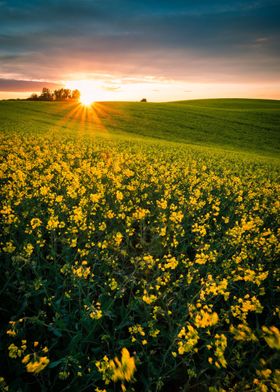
(33,97)
(46,95)
(62,94)
(76,95)
(66,94)
(58,94)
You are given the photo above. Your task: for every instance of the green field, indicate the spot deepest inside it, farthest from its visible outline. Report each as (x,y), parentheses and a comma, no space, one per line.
(232,124)
(139,246)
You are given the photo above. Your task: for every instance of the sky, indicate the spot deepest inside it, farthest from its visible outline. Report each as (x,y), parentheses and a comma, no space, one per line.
(162,50)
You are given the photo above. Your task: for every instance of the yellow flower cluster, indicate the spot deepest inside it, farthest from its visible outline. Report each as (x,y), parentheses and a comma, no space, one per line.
(15,351)
(243,332)
(170,250)
(203,316)
(246,305)
(135,330)
(188,339)
(82,271)
(212,288)
(272,336)
(123,369)
(149,298)
(219,346)
(117,370)
(204,319)
(12,331)
(94,311)
(35,364)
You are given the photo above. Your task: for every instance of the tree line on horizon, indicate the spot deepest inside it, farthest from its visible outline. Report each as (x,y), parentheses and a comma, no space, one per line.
(62,94)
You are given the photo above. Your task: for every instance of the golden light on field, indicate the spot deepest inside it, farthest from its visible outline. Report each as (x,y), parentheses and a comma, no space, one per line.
(87,115)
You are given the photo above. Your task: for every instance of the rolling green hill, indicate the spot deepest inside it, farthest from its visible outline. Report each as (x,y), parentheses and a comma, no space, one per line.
(234,124)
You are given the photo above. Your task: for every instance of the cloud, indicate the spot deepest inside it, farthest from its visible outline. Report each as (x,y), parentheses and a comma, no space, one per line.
(111,88)
(24,85)
(182,39)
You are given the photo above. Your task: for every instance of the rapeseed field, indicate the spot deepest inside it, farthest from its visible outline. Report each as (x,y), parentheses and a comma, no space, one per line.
(131,266)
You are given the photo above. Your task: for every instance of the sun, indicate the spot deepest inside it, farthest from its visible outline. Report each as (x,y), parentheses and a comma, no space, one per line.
(86,98)
(87,90)
(91,90)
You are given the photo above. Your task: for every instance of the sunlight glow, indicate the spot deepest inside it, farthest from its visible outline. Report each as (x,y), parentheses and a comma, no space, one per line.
(133,89)
(87,90)
(90,90)
(86,98)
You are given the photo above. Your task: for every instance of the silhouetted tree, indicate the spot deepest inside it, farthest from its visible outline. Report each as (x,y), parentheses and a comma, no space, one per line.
(33,97)
(46,95)
(57,94)
(143,100)
(67,93)
(62,94)
(76,95)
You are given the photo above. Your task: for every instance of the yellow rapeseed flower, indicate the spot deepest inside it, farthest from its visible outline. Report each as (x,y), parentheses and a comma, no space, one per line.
(36,365)
(123,369)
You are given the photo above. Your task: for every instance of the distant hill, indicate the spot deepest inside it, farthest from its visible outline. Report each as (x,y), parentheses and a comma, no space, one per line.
(248,125)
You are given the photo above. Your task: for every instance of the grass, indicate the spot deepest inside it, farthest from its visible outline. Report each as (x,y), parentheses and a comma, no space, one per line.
(139,247)
(231,124)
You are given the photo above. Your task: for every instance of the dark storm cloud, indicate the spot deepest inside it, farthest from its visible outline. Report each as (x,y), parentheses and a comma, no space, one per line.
(175,39)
